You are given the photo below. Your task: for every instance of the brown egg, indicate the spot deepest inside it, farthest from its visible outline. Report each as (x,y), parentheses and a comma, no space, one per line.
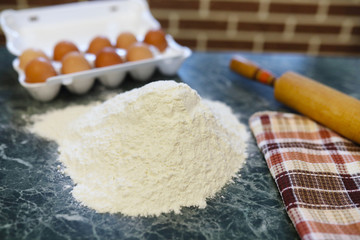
(74,62)
(30,54)
(156,38)
(38,70)
(62,48)
(125,40)
(98,43)
(138,51)
(107,57)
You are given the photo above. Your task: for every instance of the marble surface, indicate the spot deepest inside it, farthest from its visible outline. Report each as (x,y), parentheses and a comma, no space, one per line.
(35,198)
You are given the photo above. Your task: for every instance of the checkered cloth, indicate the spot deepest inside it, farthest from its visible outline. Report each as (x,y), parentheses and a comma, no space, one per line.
(316,171)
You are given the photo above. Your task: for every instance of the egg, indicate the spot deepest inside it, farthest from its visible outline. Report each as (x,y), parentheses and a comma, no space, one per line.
(125,40)
(30,54)
(98,43)
(62,48)
(38,70)
(138,51)
(107,57)
(74,62)
(156,38)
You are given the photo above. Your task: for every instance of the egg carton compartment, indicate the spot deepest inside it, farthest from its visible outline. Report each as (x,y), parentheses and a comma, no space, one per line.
(79,22)
(167,62)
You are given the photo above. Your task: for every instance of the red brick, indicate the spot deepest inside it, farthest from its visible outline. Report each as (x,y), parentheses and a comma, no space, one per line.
(293,8)
(344,10)
(174,4)
(285,47)
(310,28)
(340,48)
(49,2)
(234,6)
(202,24)
(2,39)
(191,43)
(8,2)
(228,44)
(261,27)
(356,30)
(163,22)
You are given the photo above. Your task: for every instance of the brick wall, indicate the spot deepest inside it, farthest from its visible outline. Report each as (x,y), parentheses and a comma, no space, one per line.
(307,26)
(322,27)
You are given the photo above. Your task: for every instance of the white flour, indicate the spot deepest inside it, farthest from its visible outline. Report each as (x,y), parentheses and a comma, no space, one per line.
(147,151)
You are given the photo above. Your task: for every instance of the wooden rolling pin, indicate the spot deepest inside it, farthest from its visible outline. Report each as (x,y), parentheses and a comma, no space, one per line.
(325,105)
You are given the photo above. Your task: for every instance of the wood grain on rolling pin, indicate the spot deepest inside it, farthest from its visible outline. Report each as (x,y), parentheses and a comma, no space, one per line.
(326,105)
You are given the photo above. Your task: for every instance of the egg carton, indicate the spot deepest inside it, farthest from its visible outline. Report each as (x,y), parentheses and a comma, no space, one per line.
(80,22)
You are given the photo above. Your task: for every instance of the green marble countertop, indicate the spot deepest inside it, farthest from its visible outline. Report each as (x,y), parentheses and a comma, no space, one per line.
(35,199)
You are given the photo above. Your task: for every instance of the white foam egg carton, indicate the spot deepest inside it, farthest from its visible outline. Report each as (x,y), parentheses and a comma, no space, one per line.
(80,22)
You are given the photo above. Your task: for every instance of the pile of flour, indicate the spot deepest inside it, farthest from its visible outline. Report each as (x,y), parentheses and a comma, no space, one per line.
(147,151)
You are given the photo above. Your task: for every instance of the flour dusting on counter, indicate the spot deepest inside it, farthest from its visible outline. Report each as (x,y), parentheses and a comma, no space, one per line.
(147,151)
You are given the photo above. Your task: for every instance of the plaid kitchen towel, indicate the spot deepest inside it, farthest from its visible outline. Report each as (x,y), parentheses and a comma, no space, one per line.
(316,171)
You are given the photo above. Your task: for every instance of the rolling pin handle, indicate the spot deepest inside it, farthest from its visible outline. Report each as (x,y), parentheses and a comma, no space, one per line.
(250,70)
